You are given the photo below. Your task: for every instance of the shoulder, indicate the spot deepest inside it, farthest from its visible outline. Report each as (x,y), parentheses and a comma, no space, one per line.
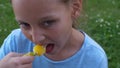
(16,42)
(21,40)
(17,35)
(9,44)
(93,52)
(92,46)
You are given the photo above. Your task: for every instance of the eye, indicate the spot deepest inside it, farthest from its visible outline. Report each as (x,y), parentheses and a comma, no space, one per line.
(48,23)
(24,25)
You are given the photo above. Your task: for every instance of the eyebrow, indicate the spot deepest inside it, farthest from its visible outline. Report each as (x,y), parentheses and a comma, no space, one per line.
(19,21)
(40,19)
(47,18)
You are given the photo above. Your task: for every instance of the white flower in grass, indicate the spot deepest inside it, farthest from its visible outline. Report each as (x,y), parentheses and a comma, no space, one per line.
(0,30)
(118,33)
(111,35)
(98,15)
(117,26)
(5,29)
(101,20)
(101,25)
(113,2)
(107,23)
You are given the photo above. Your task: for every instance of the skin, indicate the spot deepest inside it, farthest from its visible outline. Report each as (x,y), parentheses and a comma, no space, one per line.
(44,24)
(14,60)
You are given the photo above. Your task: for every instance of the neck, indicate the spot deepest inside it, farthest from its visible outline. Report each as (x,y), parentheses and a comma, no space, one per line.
(76,41)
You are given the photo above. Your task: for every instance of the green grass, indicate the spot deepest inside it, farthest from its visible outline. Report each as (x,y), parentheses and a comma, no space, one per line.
(103,24)
(7,22)
(100,19)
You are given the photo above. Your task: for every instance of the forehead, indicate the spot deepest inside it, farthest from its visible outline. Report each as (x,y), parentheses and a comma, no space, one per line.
(36,3)
(34,8)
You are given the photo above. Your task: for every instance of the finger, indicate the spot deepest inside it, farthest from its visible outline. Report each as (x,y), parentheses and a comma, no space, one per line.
(26,59)
(13,54)
(26,66)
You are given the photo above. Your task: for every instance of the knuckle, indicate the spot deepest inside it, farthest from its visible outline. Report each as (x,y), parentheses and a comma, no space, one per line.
(16,62)
(11,53)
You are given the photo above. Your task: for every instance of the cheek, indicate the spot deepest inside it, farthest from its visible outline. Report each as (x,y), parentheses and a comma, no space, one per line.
(60,34)
(27,34)
(65,27)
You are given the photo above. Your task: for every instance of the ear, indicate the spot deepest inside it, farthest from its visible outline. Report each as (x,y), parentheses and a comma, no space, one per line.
(76,8)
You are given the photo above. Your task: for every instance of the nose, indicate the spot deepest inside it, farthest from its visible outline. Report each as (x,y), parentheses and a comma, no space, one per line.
(37,36)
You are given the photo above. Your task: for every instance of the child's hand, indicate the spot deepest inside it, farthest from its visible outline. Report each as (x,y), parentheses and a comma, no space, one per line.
(15,60)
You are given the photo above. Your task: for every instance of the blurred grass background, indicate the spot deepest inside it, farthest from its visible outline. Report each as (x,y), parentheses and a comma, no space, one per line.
(100,19)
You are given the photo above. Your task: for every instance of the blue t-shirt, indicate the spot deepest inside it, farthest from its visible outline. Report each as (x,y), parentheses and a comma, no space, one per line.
(91,55)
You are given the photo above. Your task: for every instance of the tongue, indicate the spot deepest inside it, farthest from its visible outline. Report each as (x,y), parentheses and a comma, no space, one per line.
(49,48)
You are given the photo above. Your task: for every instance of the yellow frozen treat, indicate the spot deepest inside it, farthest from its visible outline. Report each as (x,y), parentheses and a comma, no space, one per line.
(39,50)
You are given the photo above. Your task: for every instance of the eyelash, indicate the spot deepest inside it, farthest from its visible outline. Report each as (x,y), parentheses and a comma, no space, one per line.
(48,23)
(45,24)
(24,25)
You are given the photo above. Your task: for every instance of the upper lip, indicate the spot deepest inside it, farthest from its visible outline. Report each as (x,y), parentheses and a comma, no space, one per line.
(43,44)
(47,44)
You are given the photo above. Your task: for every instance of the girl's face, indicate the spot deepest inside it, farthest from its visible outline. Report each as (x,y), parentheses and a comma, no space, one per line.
(46,22)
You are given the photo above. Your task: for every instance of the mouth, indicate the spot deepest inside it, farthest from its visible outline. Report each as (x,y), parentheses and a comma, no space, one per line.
(49,47)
